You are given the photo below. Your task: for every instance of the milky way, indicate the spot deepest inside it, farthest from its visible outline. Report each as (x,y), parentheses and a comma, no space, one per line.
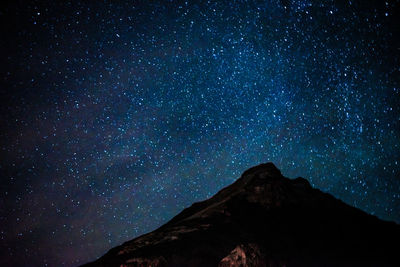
(117,115)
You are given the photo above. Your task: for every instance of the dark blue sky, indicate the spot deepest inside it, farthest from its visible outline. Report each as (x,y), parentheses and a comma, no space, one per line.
(115,115)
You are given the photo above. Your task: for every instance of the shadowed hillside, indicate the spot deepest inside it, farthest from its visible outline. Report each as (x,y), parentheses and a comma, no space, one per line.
(264,219)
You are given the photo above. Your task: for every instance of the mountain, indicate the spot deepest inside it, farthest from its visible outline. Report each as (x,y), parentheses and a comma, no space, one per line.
(264,219)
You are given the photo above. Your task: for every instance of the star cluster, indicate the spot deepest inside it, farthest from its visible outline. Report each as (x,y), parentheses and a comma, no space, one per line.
(115,115)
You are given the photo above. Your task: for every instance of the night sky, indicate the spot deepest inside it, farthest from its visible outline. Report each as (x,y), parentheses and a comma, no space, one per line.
(116,115)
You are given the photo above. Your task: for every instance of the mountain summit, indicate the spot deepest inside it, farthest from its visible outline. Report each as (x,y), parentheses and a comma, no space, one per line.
(264,219)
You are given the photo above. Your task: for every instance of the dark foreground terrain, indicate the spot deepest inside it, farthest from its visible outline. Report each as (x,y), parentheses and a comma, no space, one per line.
(264,219)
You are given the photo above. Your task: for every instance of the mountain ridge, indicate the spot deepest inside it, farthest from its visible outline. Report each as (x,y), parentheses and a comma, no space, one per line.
(264,219)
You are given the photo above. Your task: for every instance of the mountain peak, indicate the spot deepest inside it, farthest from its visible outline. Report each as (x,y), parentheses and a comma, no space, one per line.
(264,219)
(266,168)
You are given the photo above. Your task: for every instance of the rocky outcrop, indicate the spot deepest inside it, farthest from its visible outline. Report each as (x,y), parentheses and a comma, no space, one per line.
(244,255)
(264,219)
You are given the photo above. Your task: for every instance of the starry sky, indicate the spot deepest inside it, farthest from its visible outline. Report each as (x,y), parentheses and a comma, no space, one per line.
(116,115)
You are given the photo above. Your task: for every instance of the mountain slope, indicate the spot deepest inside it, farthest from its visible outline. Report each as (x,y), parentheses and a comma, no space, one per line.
(264,219)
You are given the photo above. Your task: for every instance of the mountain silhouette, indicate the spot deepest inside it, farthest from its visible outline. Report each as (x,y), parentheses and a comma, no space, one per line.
(264,219)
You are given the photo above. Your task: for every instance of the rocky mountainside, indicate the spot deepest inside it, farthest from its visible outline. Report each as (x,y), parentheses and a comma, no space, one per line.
(264,219)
